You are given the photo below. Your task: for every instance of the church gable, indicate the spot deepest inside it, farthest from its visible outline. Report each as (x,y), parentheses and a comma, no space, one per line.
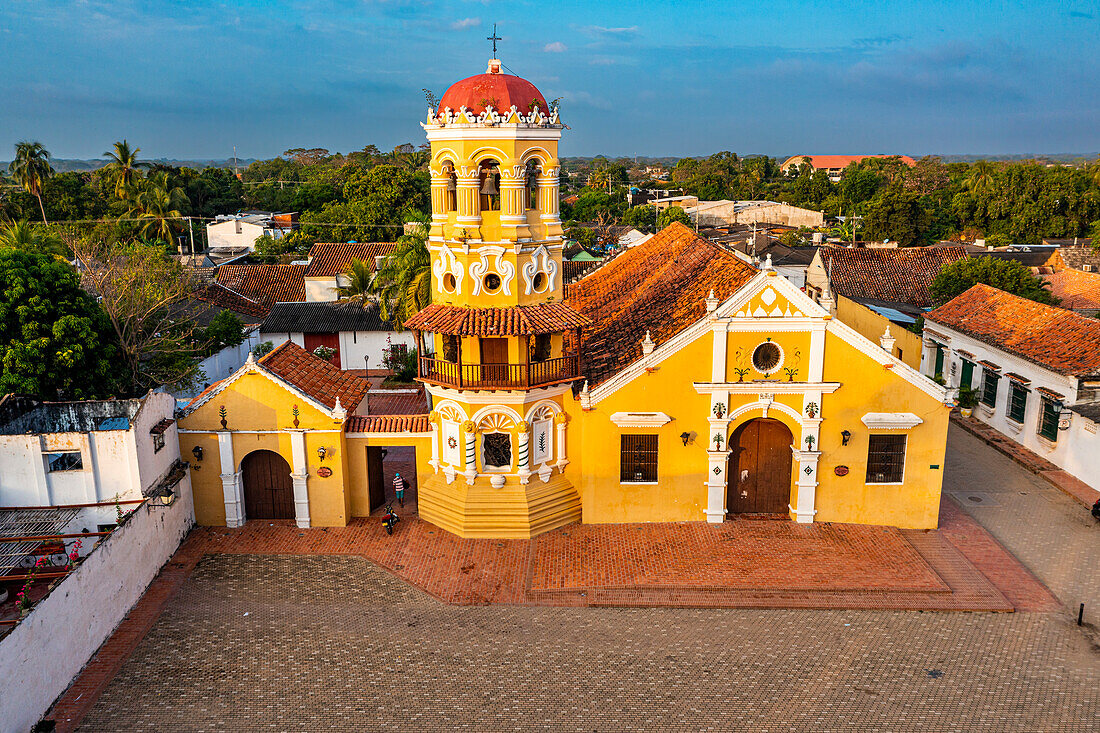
(252,399)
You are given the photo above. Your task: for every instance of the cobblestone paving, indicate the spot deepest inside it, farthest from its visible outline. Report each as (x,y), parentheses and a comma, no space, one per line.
(334,643)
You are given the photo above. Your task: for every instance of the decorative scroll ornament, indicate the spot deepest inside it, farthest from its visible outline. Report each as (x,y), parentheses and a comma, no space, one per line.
(540,262)
(502,267)
(447,264)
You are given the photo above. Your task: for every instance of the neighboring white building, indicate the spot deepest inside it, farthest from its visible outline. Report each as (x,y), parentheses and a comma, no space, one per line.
(1036,370)
(240,231)
(329,261)
(85,453)
(357,333)
(727,213)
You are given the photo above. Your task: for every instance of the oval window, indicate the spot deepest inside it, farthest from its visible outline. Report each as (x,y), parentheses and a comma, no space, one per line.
(449,283)
(766,357)
(539,283)
(492,282)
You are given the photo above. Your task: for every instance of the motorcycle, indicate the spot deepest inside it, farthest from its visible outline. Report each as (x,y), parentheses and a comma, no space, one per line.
(1096,509)
(390,519)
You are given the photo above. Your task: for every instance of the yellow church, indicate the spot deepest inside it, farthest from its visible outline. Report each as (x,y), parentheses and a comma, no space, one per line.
(674,383)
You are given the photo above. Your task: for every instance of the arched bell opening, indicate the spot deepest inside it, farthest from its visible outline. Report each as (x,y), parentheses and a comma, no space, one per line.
(489,184)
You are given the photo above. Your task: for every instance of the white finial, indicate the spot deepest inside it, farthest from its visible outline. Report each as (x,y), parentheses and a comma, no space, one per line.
(768,261)
(647,345)
(338,410)
(586,397)
(887,341)
(712,302)
(251,360)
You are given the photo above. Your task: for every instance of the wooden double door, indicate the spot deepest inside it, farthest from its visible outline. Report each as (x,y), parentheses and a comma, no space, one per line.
(268,490)
(760,468)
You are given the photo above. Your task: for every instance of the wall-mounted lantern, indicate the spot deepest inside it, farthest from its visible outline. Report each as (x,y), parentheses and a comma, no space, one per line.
(686,437)
(321,453)
(197,453)
(845,436)
(166,498)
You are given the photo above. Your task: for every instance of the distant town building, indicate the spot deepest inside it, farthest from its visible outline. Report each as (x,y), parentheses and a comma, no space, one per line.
(725,213)
(239,232)
(357,334)
(834,165)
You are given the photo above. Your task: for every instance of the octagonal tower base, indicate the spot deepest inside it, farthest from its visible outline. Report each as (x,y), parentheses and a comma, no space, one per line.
(514,511)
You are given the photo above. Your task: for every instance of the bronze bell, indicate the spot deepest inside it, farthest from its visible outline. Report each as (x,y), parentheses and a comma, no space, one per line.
(489,185)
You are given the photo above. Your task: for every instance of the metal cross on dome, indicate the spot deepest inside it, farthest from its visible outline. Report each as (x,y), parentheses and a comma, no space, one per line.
(494,38)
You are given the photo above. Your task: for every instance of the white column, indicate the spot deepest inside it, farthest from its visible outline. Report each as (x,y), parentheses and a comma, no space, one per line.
(559,419)
(524,464)
(718,357)
(816,367)
(234,509)
(298,476)
(470,455)
(806,456)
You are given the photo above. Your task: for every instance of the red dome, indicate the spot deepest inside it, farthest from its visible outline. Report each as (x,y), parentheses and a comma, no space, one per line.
(499,90)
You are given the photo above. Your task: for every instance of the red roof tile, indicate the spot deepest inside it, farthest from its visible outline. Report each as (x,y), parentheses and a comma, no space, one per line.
(1055,338)
(265,284)
(519,320)
(329,260)
(218,295)
(387,424)
(314,376)
(379,402)
(900,275)
(1075,289)
(659,286)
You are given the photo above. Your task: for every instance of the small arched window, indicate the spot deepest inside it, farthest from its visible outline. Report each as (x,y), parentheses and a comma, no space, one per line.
(531,187)
(489,185)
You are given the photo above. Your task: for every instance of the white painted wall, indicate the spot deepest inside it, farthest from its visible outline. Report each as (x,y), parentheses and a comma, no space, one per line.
(1076,451)
(321,289)
(237,234)
(220,365)
(354,345)
(44,652)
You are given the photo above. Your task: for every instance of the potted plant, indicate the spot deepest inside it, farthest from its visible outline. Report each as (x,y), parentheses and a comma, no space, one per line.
(968,400)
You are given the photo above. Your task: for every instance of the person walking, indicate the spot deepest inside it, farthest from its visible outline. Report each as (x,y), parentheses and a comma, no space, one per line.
(399,485)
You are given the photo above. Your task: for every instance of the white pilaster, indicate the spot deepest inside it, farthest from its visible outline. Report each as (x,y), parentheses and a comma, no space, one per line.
(718,358)
(804,511)
(816,367)
(434,462)
(41,483)
(471,455)
(562,460)
(299,477)
(231,481)
(524,461)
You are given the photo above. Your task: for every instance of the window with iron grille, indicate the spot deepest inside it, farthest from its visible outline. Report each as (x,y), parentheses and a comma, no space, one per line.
(1048,420)
(638,459)
(989,388)
(1017,403)
(886,459)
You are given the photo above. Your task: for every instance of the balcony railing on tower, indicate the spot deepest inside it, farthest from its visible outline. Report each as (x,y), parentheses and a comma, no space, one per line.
(499,376)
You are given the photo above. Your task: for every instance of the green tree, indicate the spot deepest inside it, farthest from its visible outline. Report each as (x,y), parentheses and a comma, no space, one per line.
(643,218)
(224,330)
(158,205)
(403,285)
(30,169)
(55,341)
(360,281)
(124,167)
(375,206)
(673,214)
(1008,275)
(28,237)
(898,216)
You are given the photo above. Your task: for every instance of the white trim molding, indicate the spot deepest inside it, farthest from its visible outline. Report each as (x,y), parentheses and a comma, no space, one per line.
(640,419)
(890,420)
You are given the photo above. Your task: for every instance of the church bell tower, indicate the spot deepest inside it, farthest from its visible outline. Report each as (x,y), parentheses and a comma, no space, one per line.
(498,359)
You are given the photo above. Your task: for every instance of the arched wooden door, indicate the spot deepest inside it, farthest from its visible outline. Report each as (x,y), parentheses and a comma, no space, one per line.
(760,468)
(268,492)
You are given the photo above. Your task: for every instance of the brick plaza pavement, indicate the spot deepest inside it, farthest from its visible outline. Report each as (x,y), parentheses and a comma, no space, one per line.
(1022,671)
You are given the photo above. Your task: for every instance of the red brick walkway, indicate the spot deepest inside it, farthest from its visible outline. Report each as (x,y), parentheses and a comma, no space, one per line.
(1032,461)
(733,565)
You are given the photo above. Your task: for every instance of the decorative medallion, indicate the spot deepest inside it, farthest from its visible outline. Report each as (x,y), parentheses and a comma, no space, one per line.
(324,471)
(717,470)
(452,443)
(841,470)
(808,470)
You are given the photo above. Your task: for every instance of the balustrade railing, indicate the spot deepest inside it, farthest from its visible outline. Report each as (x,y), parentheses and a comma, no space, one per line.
(499,376)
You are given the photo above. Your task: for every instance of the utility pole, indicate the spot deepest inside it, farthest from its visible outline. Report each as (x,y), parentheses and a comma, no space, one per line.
(235,174)
(191,231)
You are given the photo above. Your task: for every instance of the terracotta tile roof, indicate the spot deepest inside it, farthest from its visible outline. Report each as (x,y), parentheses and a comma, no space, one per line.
(329,260)
(412,402)
(519,320)
(659,286)
(1075,289)
(894,275)
(387,424)
(265,284)
(840,161)
(222,297)
(1055,338)
(314,376)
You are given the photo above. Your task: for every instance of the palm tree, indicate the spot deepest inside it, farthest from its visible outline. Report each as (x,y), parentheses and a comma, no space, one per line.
(404,283)
(360,278)
(125,166)
(981,177)
(24,235)
(30,168)
(158,207)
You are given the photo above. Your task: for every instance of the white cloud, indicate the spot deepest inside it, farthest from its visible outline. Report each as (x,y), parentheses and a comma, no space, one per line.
(459,25)
(555,47)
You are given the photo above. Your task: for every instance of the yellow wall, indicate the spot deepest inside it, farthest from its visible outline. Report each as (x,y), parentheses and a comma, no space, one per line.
(356,452)
(255,403)
(907,345)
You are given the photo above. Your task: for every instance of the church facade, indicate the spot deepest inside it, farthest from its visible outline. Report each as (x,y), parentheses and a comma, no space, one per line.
(673,383)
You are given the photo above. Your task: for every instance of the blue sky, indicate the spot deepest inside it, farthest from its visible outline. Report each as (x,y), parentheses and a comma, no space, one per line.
(193,78)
